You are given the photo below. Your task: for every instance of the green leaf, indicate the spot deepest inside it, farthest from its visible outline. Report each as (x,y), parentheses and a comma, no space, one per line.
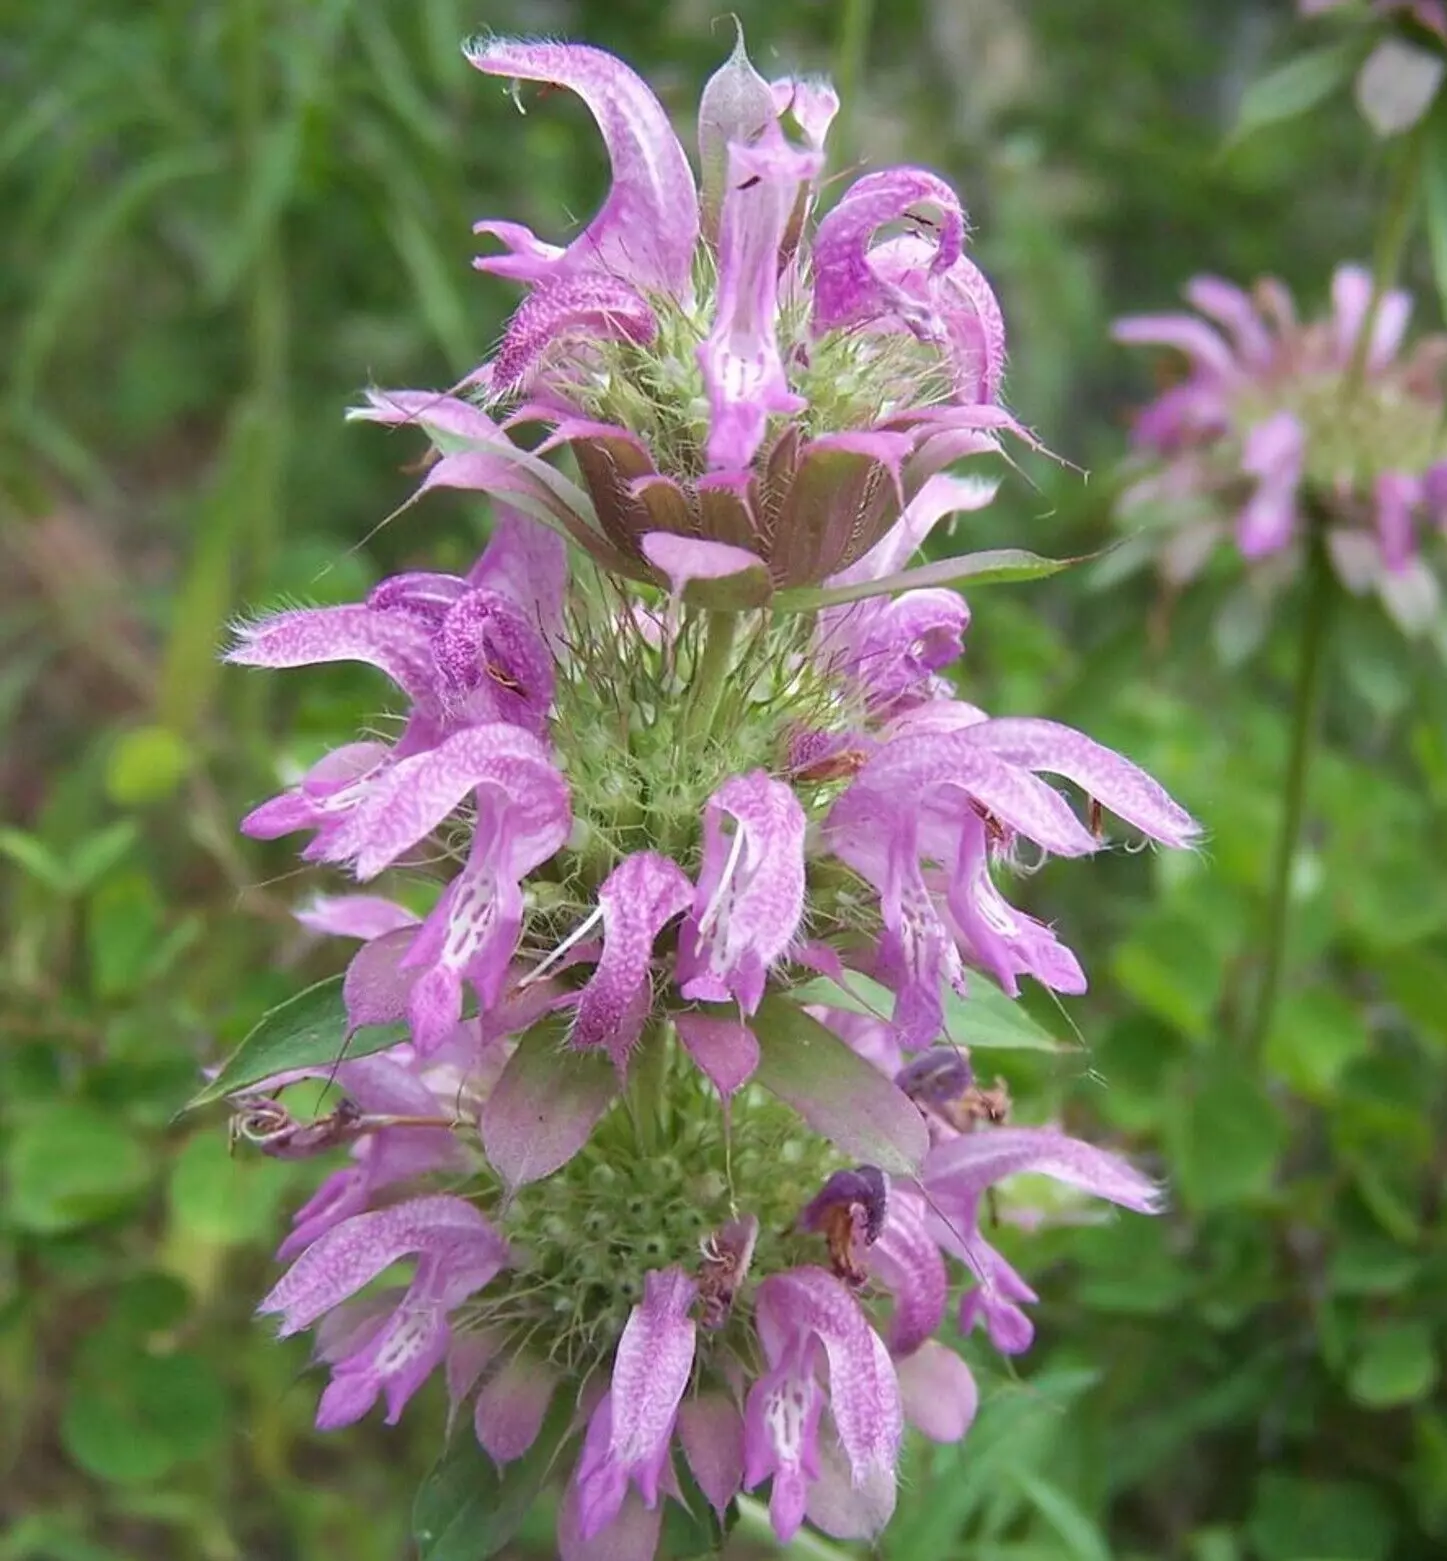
(1314,1035)
(221,1199)
(309,1030)
(34,856)
(1079,1537)
(836,1092)
(123,925)
(1296,87)
(545,1105)
(131,1417)
(988,568)
(1397,1365)
(70,1166)
(467,1509)
(146,765)
(987,1018)
(1299,1519)
(1226,1135)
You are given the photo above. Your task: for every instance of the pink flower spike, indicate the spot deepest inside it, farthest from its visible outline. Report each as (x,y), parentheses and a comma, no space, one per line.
(589,305)
(1397,496)
(364,916)
(631,1428)
(740,359)
(736,108)
(684,559)
(1188,335)
(750,893)
(637,899)
(647,228)
(812,104)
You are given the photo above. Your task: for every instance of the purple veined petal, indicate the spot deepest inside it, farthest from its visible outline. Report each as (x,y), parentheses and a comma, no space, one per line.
(684,559)
(528,563)
(472,932)
(711,1433)
(637,899)
(1397,496)
(1351,296)
(847,291)
(781,1436)
(965,1166)
(956,305)
(323,796)
(629,1432)
(843,1508)
(468,1356)
(353,1253)
(938,1392)
(1204,347)
(804,1303)
(487,646)
(750,894)
(309,636)
(435,412)
(1115,782)
(941,495)
(998,1299)
(907,1262)
(995,936)
(737,106)
(354,1324)
(526,259)
(588,305)
(1273,452)
(631,1536)
(376,987)
(724,1049)
(947,773)
(647,228)
(416,794)
(812,103)
(395,1362)
(742,370)
(509,1411)
(341,1195)
(419,593)
(364,916)
(1229,306)
(891,647)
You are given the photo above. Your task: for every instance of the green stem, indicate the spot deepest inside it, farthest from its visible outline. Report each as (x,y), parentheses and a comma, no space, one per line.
(855,17)
(1318,590)
(754,1525)
(711,671)
(1398,220)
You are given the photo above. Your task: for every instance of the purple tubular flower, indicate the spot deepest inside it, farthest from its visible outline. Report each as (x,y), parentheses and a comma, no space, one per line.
(458,1254)
(955,1177)
(740,357)
(750,891)
(638,898)
(806,1317)
(736,108)
(1332,423)
(647,228)
(629,1432)
(847,288)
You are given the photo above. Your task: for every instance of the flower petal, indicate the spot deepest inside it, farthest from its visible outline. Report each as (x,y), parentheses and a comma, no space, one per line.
(742,369)
(711,1433)
(637,899)
(647,228)
(938,1392)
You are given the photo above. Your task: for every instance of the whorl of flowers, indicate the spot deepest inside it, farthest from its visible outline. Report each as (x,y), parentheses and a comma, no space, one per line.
(1280,426)
(671,1211)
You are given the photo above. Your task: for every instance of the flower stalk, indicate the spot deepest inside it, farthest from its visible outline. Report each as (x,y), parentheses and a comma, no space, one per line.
(1318,594)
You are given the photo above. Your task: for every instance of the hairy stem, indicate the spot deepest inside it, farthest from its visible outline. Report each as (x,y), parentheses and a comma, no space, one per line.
(1318,591)
(1398,220)
(719,630)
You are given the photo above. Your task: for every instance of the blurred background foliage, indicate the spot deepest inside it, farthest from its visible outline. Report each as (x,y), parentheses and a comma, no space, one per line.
(220,222)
